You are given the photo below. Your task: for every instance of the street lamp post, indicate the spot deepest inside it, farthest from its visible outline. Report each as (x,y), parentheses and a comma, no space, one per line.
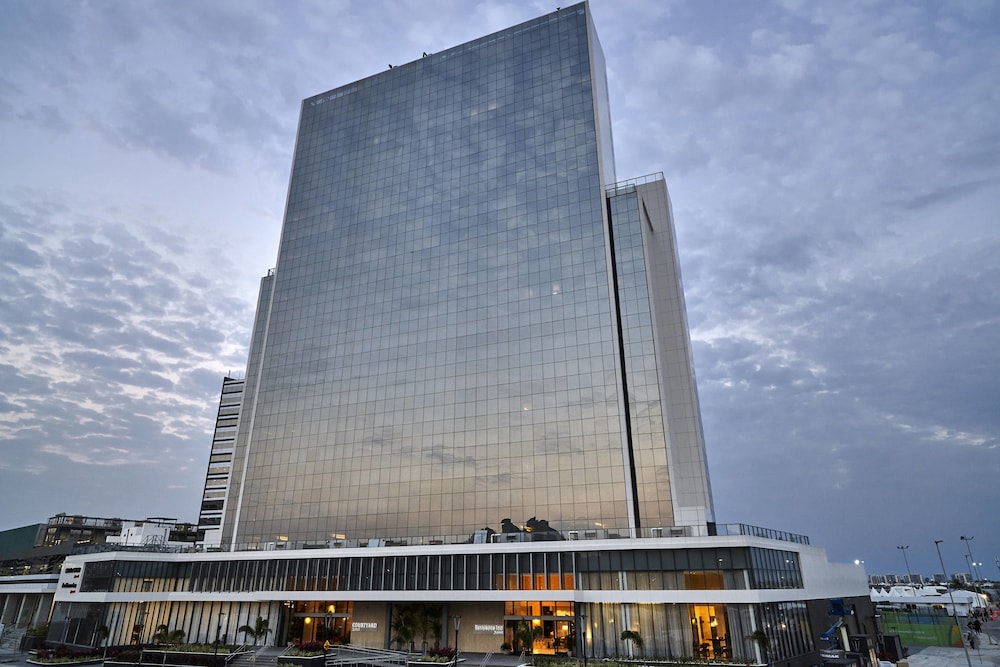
(583,637)
(909,577)
(954,609)
(972,561)
(458,622)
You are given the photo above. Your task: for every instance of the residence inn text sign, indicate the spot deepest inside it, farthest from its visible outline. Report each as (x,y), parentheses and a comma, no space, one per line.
(488,629)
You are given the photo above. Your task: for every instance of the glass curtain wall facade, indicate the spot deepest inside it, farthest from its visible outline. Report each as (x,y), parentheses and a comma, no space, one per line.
(440,346)
(663,415)
(638,569)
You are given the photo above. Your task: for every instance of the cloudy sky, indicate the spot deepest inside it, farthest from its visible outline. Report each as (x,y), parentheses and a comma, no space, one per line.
(835,174)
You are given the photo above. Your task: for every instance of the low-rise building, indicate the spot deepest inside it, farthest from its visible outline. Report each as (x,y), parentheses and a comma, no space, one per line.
(698,595)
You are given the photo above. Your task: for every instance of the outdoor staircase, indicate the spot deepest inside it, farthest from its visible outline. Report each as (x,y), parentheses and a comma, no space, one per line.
(356,656)
(10,643)
(263,656)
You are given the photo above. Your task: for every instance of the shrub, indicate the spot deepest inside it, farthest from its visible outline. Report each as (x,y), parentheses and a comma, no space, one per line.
(559,661)
(445,652)
(66,654)
(201,648)
(307,649)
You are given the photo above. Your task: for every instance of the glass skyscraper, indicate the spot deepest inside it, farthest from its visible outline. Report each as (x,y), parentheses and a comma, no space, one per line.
(470,319)
(473,344)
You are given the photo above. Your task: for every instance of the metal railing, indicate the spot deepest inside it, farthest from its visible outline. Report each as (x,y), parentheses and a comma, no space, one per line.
(355,656)
(583,533)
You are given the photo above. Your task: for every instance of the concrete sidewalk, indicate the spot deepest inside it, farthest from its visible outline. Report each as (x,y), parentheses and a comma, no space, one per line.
(986,654)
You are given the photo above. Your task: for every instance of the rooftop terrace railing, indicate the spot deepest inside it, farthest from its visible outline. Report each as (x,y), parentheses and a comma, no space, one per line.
(629,184)
(484,536)
(479,537)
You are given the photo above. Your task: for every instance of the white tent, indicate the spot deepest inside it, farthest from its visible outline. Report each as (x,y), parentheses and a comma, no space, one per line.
(935,596)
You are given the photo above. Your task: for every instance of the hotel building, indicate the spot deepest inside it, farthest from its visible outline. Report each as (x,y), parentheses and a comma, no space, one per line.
(470,391)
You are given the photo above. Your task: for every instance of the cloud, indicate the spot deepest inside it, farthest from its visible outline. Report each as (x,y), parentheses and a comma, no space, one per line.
(115,356)
(833,169)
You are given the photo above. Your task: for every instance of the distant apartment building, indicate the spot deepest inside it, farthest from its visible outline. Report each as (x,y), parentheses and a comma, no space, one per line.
(156,532)
(77,529)
(220,463)
(32,558)
(895,579)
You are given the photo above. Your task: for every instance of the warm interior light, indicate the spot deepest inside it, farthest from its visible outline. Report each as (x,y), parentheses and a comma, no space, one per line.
(308,620)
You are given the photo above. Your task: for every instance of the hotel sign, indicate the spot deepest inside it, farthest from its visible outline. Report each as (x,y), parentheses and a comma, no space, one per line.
(363,626)
(488,629)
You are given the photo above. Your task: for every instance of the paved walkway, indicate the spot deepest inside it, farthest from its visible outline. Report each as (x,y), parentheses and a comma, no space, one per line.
(986,654)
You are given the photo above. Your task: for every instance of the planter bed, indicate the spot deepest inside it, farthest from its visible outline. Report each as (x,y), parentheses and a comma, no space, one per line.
(303,660)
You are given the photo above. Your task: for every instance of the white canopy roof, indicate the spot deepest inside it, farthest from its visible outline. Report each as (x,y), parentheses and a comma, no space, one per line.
(928,595)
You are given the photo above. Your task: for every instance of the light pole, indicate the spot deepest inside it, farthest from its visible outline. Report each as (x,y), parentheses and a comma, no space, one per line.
(583,637)
(458,622)
(954,609)
(909,577)
(972,561)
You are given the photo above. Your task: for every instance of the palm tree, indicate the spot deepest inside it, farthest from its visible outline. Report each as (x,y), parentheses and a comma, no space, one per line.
(259,630)
(102,633)
(634,638)
(161,635)
(427,622)
(760,638)
(402,625)
(415,619)
(525,636)
(166,636)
